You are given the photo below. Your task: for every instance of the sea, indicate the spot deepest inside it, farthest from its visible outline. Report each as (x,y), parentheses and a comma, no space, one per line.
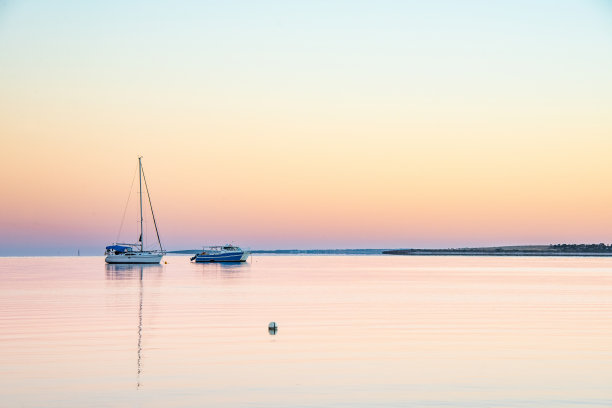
(353,331)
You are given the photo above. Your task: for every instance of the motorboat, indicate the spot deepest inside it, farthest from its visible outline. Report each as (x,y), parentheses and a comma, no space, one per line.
(223,253)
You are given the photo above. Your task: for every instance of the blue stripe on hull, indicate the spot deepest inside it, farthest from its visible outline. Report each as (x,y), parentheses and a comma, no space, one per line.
(233,257)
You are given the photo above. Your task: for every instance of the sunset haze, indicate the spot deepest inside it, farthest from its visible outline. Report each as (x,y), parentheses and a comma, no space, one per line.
(306,124)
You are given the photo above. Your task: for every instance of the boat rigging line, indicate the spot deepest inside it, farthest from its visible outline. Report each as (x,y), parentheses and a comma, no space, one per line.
(151,206)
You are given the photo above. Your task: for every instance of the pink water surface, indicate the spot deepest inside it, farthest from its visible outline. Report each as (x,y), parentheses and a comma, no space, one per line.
(354,331)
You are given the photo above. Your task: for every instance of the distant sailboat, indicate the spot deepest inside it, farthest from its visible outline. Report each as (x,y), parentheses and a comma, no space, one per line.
(120,253)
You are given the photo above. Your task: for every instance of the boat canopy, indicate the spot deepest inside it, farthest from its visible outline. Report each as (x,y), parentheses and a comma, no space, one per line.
(118,248)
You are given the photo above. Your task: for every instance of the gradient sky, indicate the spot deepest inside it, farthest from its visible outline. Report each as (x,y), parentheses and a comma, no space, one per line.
(311,124)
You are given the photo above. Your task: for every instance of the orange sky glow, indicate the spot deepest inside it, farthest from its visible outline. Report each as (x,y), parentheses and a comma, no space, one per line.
(309,131)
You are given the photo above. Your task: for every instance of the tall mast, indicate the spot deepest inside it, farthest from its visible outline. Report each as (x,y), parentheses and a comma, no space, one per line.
(140,182)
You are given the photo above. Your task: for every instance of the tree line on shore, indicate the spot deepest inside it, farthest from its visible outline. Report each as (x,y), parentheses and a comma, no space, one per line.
(581,247)
(510,250)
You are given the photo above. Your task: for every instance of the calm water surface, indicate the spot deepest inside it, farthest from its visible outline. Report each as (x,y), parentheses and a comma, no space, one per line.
(354,331)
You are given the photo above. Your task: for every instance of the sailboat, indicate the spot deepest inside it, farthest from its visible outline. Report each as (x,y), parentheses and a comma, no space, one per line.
(121,253)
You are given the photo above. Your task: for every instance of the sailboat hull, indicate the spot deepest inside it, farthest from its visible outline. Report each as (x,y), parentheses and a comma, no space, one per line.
(134,258)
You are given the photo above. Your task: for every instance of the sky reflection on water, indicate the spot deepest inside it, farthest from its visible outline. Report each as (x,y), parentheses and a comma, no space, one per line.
(353,331)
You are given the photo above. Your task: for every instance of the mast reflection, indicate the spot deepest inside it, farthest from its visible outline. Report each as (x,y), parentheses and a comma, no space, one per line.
(129,272)
(139,363)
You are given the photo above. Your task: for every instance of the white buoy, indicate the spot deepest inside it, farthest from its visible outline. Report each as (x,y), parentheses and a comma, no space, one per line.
(272,326)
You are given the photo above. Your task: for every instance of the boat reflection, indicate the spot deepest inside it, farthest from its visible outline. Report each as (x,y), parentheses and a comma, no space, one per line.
(127,271)
(223,269)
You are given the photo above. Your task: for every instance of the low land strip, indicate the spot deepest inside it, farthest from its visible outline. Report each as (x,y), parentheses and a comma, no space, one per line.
(525,250)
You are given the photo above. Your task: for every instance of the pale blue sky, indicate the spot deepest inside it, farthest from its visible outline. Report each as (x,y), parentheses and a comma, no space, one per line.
(457,93)
(292,46)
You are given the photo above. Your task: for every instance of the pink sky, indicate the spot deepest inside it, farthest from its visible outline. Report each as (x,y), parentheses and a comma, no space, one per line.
(306,128)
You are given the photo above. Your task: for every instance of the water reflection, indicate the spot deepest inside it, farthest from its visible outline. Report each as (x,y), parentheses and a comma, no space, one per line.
(139,360)
(440,331)
(132,272)
(126,271)
(228,266)
(223,269)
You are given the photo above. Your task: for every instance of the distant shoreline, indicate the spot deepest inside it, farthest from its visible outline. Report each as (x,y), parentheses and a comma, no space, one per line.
(564,250)
(440,252)
(366,251)
(601,250)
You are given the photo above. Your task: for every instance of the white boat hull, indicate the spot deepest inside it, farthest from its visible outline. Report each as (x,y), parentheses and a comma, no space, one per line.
(134,258)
